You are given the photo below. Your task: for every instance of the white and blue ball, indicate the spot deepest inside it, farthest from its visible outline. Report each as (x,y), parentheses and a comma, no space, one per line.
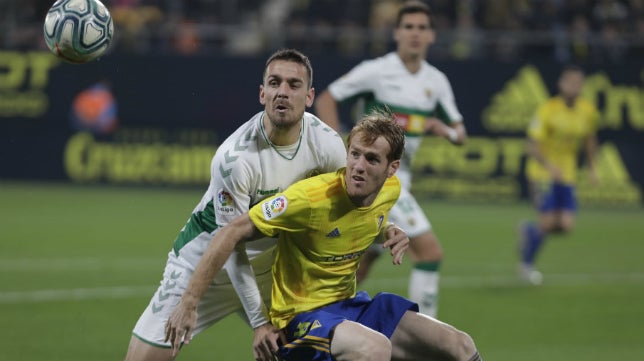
(78,31)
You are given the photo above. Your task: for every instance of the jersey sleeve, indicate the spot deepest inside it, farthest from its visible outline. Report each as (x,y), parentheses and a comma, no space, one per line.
(537,129)
(447,103)
(232,179)
(289,211)
(360,79)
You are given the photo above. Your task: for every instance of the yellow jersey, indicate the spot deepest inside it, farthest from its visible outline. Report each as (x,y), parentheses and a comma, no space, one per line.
(321,238)
(559,131)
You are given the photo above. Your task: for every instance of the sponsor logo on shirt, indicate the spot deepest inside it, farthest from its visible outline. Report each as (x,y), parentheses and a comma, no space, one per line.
(343,257)
(268,192)
(274,207)
(225,202)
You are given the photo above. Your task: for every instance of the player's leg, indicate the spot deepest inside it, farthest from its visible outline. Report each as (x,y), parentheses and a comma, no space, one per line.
(427,255)
(424,250)
(567,208)
(419,337)
(148,337)
(331,333)
(139,350)
(532,234)
(353,341)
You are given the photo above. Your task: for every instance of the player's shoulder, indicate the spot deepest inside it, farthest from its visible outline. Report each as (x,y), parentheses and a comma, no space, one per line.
(320,186)
(317,129)
(242,142)
(393,184)
(384,62)
(431,71)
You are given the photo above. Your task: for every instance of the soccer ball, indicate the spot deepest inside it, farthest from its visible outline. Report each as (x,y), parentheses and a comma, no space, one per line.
(78,31)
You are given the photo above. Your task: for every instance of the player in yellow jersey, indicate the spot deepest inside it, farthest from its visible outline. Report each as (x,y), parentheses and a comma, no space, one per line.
(561,127)
(324,225)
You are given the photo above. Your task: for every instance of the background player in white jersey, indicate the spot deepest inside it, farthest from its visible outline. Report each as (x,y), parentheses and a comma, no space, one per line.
(265,155)
(422,99)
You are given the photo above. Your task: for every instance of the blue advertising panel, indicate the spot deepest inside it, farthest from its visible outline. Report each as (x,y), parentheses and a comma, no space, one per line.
(158,120)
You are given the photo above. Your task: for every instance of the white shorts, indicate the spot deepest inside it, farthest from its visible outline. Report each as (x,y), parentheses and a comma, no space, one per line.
(219,301)
(407,214)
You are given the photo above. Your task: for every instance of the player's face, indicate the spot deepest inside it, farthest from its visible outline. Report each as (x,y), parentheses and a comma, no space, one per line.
(285,93)
(367,169)
(414,35)
(571,84)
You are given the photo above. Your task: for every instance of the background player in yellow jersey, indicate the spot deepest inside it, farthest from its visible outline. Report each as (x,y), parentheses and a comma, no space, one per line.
(422,99)
(324,225)
(560,128)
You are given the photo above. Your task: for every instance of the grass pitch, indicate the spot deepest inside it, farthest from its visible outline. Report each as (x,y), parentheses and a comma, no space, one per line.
(79,264)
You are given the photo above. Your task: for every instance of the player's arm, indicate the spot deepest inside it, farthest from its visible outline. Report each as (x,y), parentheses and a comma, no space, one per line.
(326,108)
(452,128)
(183,319)
(533,149)
(590,146)
(455,132)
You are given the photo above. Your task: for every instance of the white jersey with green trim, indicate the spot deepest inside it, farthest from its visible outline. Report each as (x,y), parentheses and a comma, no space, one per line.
(247,168)
(411,96)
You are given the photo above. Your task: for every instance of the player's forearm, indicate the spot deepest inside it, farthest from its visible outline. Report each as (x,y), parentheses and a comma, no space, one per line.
(532,148)
(591,152)
(243,280)
(213,260)
(326,108)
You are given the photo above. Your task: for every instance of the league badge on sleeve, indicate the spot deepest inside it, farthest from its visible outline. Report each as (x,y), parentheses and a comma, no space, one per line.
(274,207)
(225,202)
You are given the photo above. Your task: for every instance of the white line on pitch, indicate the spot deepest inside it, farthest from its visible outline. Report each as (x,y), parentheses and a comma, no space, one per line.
(456,282)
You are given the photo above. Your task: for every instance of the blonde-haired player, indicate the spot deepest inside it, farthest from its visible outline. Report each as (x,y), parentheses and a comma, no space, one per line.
(324,225)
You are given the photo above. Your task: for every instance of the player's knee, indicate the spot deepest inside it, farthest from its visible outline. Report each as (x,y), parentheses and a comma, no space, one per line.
(463,347)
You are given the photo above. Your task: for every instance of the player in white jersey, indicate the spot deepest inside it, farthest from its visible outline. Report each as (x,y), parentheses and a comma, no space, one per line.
(275,148)
(422,99)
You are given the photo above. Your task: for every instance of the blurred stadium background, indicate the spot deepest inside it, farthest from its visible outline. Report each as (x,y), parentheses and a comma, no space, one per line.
(100,165)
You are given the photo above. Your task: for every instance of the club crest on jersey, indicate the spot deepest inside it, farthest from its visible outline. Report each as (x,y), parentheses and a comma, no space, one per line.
(225,202)
(274,207)
(380,220)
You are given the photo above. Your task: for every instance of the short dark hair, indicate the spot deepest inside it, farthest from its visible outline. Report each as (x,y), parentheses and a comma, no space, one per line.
(572,68)
(294,56)
(413,7)
(381,122)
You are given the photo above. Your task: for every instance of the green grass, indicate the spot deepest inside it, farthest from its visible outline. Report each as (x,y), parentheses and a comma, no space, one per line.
(79,264)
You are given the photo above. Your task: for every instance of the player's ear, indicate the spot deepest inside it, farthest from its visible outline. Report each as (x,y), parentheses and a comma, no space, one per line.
(393,167)
(310,97)
(262,98)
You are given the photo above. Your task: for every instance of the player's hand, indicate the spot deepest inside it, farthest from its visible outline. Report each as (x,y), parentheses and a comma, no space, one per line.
(265,342)
(180,325)
(438,128)
(398,242)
